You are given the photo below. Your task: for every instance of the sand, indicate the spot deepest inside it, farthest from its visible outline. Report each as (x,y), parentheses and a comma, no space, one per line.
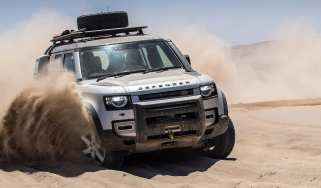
(277,146)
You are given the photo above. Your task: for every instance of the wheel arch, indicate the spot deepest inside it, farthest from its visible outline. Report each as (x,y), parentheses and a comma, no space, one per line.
(94,115)
(222,103)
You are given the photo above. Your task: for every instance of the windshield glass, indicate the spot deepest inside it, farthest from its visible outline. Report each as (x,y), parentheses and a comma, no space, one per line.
(128,57)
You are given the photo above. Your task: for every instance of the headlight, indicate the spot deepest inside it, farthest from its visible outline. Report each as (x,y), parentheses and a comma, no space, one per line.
(116,101)
(208,90)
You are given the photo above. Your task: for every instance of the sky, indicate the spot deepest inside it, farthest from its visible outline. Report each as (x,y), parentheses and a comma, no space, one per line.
(237,22)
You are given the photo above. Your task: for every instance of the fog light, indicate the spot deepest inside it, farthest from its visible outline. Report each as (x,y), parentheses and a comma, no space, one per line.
(125,128)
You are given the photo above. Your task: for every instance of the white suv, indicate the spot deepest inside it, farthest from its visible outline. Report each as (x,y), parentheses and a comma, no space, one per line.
(141,92)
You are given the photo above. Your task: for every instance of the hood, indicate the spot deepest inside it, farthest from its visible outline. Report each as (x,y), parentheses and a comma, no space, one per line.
(138,79)
(140,82)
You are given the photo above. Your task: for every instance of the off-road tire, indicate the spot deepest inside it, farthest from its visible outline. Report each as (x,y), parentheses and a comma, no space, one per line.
(107,20)
(223,144)
(95,150)
(114,160)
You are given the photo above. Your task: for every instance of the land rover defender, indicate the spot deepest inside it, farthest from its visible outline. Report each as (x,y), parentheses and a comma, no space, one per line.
(140,91)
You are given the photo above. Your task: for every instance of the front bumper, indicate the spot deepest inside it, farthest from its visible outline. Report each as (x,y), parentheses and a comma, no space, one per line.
(116,143)
(168,123)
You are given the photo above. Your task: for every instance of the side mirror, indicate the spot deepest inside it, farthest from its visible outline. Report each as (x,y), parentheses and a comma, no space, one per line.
(188,58)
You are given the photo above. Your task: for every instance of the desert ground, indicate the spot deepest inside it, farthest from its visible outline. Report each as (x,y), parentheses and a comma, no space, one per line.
(278,145)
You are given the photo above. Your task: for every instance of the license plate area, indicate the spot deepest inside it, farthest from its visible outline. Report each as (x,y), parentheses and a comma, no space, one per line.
(172,129)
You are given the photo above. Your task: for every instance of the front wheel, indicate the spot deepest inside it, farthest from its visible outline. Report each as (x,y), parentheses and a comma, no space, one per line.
(109,159)
(223,145)
(113,160)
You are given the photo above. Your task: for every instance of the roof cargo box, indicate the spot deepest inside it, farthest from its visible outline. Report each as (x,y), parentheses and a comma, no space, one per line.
(105,20)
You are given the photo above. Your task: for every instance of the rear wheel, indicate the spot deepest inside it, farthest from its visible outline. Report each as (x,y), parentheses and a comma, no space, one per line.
(223,145)
(109,159)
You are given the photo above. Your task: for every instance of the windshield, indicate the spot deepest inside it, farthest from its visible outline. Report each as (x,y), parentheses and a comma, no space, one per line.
(129,57)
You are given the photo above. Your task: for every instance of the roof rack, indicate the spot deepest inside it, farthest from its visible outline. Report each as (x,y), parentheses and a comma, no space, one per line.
(97,33)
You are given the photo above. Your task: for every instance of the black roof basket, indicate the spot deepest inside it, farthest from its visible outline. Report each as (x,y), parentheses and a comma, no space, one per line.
(97,33)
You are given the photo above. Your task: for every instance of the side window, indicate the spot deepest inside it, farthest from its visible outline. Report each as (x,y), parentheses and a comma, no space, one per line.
(69,62)
(181,56)
(43,63)
(56,63)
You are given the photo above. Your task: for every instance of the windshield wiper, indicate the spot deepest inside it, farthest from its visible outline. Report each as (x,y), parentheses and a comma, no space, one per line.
(98,75)
(119,74)
(104,76)
(161,69)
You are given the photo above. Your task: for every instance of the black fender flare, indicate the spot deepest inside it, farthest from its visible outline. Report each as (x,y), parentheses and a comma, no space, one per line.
(225,105)
(94,115)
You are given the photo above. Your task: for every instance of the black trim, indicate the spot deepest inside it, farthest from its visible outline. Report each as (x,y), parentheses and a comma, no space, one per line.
(167,94)
(92,112)
(225,105)
(122,120)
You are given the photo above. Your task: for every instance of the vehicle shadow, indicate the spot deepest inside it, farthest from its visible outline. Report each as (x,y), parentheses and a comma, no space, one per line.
(172,163)
(64,169)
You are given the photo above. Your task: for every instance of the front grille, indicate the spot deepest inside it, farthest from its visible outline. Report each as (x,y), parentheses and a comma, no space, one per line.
(169,94)
(170,119)
(171,108)
(171,114)
(179,119)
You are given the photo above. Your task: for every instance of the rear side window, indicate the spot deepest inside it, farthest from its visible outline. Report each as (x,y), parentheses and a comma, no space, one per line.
(43,63)
(181,56)
(69,62)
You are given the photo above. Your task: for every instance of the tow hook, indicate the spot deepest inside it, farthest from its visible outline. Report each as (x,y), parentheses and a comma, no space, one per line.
(170,130)
(171,135)
(209,145)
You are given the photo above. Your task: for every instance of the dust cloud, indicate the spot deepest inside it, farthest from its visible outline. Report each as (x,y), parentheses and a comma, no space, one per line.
(46,122)
(286,67)
(43,119)
(20,46)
